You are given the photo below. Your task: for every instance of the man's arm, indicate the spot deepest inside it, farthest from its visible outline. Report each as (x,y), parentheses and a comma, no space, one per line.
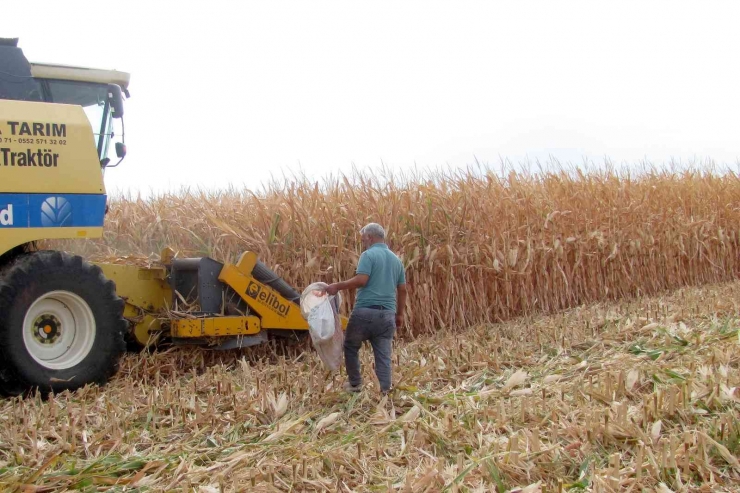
(401,302)
(358,281)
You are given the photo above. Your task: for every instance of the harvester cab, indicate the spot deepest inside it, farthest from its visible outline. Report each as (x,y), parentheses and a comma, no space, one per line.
(98,92)
(64,321)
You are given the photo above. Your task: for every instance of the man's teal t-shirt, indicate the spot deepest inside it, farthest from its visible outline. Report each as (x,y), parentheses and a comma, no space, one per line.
(386,273)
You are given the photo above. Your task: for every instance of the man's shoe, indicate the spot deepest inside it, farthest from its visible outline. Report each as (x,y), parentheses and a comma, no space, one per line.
(348,387)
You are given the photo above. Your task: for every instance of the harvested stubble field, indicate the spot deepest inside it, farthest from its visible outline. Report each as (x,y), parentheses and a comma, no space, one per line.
(533,354)
(612,397)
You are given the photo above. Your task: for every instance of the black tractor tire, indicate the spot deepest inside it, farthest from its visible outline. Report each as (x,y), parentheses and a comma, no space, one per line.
(61,324)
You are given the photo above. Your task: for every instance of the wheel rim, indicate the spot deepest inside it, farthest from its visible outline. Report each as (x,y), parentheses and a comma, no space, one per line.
(59,330)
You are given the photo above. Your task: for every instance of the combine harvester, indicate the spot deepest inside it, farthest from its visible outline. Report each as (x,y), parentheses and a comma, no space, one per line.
(64,321)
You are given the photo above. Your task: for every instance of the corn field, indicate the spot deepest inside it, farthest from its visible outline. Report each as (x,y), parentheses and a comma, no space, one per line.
(477,248)
(565,332)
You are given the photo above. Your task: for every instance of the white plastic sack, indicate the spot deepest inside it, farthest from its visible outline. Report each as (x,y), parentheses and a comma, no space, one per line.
(322,313)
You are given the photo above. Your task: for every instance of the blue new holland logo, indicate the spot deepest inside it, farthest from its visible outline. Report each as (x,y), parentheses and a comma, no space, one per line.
(56,212)
(36,210)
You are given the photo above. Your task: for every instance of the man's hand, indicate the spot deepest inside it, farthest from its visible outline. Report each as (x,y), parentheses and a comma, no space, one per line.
(401,290)
(359,281)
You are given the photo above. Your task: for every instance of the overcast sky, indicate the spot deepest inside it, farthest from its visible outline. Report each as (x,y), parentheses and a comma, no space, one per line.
(226,93)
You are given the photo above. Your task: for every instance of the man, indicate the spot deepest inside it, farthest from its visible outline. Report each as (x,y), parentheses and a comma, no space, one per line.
(381,300)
